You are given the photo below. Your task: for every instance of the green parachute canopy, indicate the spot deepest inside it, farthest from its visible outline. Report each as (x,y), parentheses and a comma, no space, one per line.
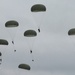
(30,33)
(24,66)
(71,31)
(38,8)
(3,42)
(11,24)
(0,54)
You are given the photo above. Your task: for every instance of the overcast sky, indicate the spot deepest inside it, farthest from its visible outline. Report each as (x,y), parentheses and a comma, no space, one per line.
(53,49)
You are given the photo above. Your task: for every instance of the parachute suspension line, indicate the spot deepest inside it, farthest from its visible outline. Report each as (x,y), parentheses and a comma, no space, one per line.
(41,15)
(13,45)
(12,42)
(12,38)
(32,55)
(14,48)
(37,20)
(42,19)
(31,49)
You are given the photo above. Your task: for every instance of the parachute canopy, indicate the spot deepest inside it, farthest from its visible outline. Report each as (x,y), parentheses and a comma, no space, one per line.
(0,54)
(30,33)
(71,31)
(11,23)
(24,66)
(38,8)
(3,42)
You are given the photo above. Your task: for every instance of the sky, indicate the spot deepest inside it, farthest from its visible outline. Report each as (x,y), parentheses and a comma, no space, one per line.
(53,49)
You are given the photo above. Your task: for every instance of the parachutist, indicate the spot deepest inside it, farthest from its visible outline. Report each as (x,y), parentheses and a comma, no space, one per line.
(13,42)
(14,50)
(30,51)
(39,30)
(32,60)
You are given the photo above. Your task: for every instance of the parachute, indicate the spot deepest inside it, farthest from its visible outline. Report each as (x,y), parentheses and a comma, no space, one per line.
(38,13)
(30,33)
(71,31)
(30,37)
(3,42)
(0,57)
(38,8)
(11,26)
(24,66)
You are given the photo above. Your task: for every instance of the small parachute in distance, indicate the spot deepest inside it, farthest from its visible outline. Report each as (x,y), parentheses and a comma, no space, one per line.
(11,23)
(71,31)
(38,8)
(30,33)
(3,42)
(24,66)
